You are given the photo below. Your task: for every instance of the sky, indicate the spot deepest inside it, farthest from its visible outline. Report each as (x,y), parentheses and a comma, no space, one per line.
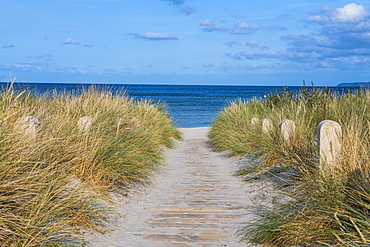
(210,42)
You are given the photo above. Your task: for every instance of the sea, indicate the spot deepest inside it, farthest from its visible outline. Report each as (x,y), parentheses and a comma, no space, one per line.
(188,105)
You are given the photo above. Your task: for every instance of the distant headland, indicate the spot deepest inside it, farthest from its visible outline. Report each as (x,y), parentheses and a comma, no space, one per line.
(354,84)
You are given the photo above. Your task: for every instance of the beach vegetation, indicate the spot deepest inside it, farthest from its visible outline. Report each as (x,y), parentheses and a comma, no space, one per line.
(324,208)
(55,183)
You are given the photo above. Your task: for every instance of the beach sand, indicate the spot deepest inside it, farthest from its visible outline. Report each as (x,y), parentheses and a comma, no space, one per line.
(195,133)
(193,201)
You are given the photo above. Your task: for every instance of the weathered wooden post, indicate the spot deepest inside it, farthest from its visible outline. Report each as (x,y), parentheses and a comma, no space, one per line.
(84,124)
(287,128)
(254,121)
(329,143)
(267,125)
(28,126)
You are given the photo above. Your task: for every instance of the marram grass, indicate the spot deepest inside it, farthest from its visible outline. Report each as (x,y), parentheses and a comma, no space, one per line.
(326,208)
(53,186)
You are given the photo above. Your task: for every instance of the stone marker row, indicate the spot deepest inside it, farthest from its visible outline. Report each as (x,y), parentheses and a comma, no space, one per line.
(29,126)
(329,135)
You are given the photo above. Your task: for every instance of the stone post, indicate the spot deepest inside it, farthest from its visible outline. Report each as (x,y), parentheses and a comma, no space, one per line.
(329,143)
(28,126)
(84,124)
(267,125)
(254,121)
(287,128)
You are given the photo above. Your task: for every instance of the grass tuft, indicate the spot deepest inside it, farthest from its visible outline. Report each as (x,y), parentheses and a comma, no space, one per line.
(54,184)
(325,208)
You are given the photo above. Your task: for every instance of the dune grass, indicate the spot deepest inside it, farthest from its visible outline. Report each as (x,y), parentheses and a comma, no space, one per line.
(325,208)
(53,185)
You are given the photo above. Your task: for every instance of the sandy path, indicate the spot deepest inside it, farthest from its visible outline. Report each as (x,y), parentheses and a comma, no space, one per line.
(195,201)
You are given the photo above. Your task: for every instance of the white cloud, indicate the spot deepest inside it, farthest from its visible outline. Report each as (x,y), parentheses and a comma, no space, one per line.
(317,18)
(42,55)
(260,66)
(36,66)
(350,13)
(209,26)
(207,22)
(155,36)
(239,27)
(208,65)
(244,28)
(225,66)
(342,40)
(252,55)
(351,62)
(71,42)
(277,27)
(283,16)
(8,45)
(252,43)
(233,43)
(243,25)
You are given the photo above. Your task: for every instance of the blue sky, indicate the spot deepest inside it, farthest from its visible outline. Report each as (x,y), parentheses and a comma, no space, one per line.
(234,42)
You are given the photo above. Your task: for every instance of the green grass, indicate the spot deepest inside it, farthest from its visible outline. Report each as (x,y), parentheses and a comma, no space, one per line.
(53,187)
(326,208)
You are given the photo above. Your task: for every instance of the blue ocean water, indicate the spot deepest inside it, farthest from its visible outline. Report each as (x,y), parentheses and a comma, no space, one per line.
(189,105)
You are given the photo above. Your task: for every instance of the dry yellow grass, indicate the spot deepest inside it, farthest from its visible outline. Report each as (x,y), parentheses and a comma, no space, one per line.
(52,184)
(329,208)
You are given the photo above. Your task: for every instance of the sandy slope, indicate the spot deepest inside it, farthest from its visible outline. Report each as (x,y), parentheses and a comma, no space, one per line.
(194,201)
